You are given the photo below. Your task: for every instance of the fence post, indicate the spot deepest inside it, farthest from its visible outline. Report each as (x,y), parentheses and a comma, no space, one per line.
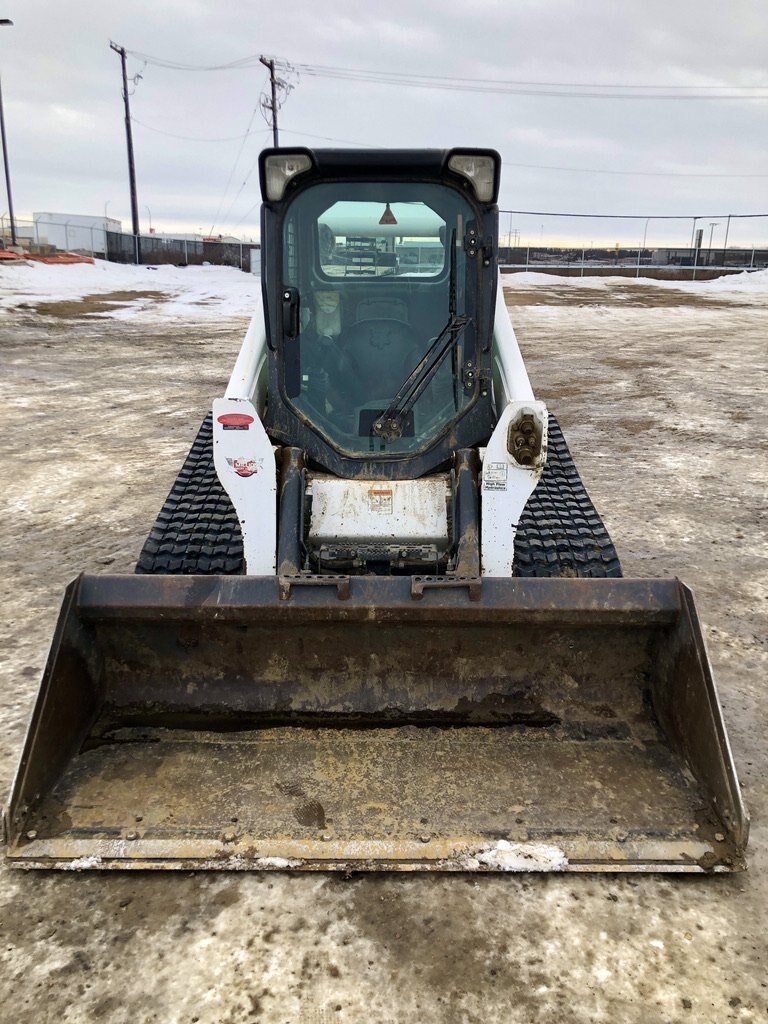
(186,257)
(752,258)
(582,261)
(725,243)
(645,236)
(693,230)
(93,254)
(695,261)
(527,255)
(241,255)
(693,243)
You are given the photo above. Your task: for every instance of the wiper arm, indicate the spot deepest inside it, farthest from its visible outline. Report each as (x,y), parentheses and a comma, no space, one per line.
(390,423)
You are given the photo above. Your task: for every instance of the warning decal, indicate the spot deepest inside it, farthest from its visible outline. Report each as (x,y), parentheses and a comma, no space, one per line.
(495,476)
(245,466)
(380,500)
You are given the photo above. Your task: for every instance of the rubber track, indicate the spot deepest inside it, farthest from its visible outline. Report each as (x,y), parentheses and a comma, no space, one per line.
(560,531)
(197,531)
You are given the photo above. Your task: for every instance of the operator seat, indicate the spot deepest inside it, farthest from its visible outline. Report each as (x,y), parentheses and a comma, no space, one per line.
(382,352)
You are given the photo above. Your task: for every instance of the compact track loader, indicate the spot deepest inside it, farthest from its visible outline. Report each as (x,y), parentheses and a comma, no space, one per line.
(378,623)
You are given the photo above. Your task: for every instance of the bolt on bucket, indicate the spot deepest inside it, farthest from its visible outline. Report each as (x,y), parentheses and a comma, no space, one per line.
(377,723)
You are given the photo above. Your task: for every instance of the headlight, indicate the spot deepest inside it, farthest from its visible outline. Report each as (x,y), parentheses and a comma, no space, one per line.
(280,168)
(480,170)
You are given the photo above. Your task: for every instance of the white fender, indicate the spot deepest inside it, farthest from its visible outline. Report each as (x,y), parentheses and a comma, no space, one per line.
(506,486)
(243,454)
(245,463)
(248,378)
(510,377)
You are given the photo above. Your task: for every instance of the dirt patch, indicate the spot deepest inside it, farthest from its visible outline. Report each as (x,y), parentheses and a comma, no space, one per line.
(642,296)
(637,426)
(89,305)
(122,403)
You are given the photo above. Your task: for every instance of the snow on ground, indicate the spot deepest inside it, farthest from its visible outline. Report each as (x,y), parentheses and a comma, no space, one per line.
(124,292)
(747,284)
(183,291)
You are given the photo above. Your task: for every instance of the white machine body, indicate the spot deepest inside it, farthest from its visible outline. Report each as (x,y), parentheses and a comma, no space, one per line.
(371,512)
(243,453)
(506,487)
(403,512)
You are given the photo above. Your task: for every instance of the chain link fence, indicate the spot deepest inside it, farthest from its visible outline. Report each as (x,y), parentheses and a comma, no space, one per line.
(663,246)
(101,238)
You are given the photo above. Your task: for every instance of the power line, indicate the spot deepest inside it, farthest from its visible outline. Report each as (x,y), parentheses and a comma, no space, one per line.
(641,174)
(239,192)
(289,131)
(173,65)
(506,87)
(246,215)
(634,216)
(506,163)
(280,89)
(198,138)
(253,168)
(514,86)
(232,171)
(455,83)
(316,68)
(328,138)
(553,167)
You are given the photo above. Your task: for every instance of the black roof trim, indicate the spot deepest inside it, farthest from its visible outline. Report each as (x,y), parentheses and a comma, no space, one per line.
(399,164)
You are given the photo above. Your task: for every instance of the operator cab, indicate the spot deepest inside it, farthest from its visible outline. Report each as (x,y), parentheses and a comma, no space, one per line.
(379,284)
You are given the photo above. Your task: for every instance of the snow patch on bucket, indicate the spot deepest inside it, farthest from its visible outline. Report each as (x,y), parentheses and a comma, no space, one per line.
(82,863)
(506,856)
(247,862)
(277,862)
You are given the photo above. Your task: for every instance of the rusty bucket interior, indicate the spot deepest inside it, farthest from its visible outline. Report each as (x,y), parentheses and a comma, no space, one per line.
(377,724)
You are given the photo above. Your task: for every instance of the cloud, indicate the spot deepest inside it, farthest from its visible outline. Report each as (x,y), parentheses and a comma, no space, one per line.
(64,112)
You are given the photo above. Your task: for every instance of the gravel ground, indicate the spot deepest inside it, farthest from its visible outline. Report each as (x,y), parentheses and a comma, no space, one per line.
(662,401)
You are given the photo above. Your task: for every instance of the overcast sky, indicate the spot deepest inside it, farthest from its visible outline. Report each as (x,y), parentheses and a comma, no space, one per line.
(64,114)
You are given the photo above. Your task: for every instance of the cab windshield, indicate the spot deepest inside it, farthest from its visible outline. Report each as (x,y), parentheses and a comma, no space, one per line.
(378,273)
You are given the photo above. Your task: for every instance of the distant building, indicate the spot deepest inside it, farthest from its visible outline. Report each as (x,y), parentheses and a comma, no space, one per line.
(75,233)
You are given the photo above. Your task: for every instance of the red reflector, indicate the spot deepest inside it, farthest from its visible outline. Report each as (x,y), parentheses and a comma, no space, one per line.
(235,419)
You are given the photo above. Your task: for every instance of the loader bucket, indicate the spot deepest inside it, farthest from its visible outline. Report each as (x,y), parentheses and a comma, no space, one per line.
(372,723)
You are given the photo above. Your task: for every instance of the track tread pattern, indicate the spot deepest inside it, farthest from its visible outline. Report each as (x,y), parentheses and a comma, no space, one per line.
(197,531)
(560,531)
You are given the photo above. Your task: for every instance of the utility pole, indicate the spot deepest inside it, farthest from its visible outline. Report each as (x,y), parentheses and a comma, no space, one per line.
(270,65)
(131,165)
(7,21)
